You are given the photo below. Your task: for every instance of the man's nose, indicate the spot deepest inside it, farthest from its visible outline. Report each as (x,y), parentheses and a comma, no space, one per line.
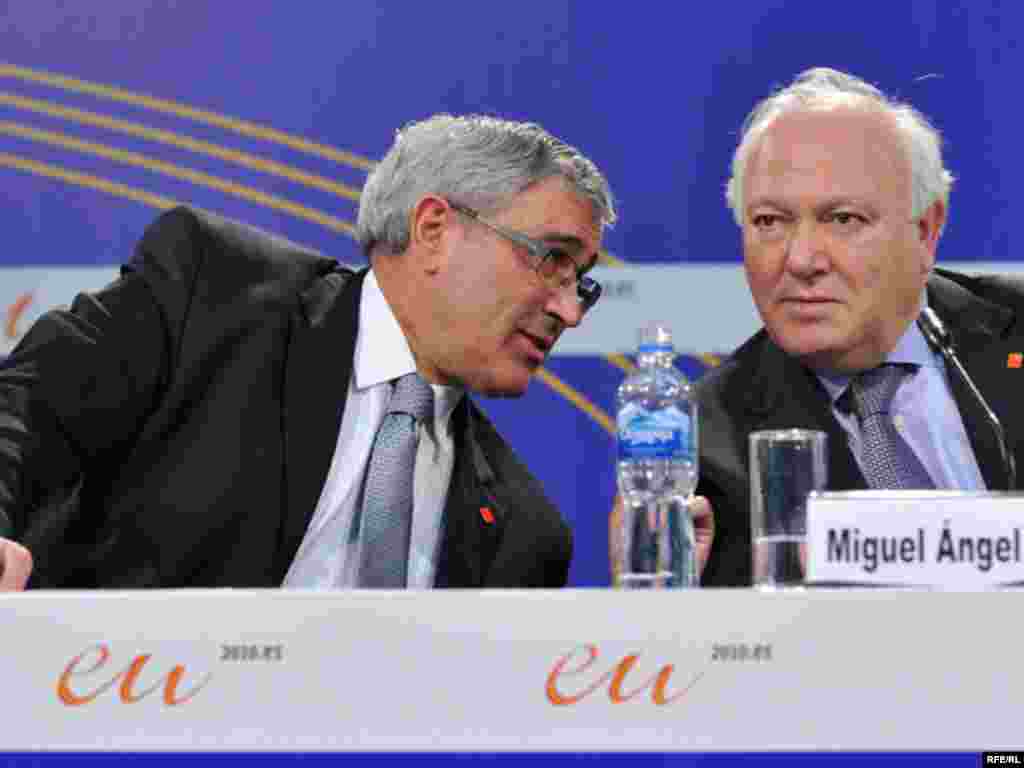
(807,250)
(566,307)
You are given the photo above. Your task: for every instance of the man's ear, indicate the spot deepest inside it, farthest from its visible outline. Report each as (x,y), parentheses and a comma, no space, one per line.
(929,229)
(429,228)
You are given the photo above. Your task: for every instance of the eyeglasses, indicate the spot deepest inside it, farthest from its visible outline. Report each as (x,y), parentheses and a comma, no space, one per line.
(552,263)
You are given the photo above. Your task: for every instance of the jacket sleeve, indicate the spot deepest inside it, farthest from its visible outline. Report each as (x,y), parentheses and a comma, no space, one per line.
(76,391)
(724,479)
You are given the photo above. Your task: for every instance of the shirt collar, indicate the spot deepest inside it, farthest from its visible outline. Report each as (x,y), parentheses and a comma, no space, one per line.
(912,347)
(382,352)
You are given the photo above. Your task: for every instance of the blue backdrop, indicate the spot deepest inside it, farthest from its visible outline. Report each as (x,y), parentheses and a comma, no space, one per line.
(271,112)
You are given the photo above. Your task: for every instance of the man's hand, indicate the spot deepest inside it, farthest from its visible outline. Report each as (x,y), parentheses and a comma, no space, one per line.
(15,566)
(703,529)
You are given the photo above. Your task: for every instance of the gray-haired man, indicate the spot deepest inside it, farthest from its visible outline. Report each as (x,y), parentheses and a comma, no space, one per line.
(841,196)
(216,417)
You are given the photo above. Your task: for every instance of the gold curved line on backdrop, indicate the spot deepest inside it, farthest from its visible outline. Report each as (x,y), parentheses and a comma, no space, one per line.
(577,399)
(178,172)
(621,361)
(181,141)
(86,180)
(243,127)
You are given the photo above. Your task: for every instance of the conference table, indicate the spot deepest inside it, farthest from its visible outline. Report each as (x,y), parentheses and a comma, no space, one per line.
(681,674)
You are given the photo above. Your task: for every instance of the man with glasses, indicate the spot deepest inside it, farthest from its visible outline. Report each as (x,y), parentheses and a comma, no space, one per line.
(238,411)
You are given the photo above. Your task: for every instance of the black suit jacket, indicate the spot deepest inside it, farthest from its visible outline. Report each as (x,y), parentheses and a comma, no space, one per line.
(176,428)
(760,387)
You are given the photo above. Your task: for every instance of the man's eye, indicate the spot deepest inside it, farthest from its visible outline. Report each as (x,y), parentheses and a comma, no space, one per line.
(765,220)
(559,262)
(845,218)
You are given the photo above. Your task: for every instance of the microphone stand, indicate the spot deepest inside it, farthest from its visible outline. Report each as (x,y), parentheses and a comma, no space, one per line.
(938,336)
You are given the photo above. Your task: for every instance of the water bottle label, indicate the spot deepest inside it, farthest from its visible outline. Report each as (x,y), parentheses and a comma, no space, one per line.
(654,349)
(665,434)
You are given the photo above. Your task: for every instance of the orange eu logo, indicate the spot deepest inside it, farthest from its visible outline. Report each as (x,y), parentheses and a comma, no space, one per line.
(88,664)
(14,313)
(590,680)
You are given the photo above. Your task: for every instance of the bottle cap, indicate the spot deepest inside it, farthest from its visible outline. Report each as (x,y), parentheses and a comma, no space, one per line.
(655,336)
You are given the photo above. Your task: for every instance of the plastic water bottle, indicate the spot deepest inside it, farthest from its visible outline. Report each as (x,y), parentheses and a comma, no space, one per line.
(657,469)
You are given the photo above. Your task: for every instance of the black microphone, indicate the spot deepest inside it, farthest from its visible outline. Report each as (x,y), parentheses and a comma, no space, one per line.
(940,338)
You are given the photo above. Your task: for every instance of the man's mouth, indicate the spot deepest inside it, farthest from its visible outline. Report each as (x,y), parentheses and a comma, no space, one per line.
(544,343)
(807,300)
(538,346)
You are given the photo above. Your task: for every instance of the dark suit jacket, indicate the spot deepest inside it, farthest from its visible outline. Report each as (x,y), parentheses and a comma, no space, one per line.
(176,428)
(760,387)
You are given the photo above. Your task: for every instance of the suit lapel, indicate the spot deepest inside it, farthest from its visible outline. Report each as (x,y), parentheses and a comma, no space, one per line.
(784,395)
(474,521)
(317,373)
(975,326)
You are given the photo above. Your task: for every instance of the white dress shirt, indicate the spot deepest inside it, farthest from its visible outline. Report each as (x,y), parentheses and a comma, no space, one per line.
(329,554)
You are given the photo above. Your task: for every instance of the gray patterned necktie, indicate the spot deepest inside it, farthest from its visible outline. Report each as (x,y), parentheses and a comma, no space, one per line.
(386,522)
(889,462)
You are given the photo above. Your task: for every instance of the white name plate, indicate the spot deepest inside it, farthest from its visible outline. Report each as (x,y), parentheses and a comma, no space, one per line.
(937,539)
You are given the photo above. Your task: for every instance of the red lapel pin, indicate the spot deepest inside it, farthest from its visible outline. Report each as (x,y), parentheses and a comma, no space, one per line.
(1015,360)
(487,515)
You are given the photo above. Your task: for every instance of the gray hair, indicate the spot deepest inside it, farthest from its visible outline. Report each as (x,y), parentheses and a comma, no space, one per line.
(478,161)
(824,88)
